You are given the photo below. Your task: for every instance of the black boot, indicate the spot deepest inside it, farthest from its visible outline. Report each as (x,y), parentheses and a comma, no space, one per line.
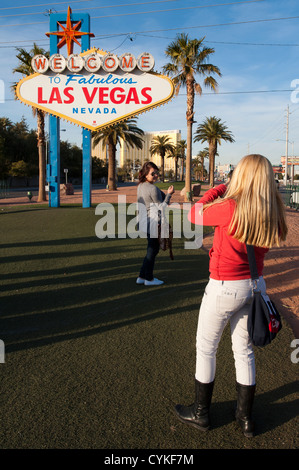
(197,414)
(244,407)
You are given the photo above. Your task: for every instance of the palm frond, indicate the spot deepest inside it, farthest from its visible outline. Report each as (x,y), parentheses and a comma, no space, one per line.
(188,57)
(127,131)
(213,130)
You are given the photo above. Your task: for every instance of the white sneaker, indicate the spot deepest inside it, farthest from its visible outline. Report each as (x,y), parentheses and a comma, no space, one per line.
(139,280)
(154,282)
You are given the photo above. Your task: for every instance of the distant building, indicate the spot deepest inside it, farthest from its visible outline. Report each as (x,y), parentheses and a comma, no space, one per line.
(133,154)
(223,170)
(99,152)
(291,160)
(293,164)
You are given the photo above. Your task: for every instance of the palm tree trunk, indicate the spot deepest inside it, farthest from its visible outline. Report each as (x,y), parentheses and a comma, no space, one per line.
(175,169)
(202,165)
(111,165)
(188,193)
(162,155)
(212,153)
(41,156)
(42,174)
(182,170)
(189,116)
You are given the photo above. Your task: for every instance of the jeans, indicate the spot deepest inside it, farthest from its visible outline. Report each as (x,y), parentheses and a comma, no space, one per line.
(147,268)
(225,301)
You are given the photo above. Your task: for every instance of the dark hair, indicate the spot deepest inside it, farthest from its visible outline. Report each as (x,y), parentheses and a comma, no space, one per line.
(145,171)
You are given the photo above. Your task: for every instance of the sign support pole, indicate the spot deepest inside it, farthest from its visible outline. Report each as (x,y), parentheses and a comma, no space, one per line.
(86,169)
(86,134)
(53,169)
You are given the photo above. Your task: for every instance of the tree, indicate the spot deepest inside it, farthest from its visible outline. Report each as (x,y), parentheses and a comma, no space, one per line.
(71,159)
(6,127)
(161,144)
(19,169)
(182,146)
(99,169)
(175,155)
(202,154)
(213,131)
(25,68)
(128,132)
(178,153)
(128,167)
(189,57)
(17,143)
(197,167)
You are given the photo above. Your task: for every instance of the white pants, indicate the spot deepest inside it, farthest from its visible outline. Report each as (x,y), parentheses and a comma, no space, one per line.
(225,301)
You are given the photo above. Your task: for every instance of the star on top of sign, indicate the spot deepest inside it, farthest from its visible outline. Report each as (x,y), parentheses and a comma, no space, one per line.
(69,33)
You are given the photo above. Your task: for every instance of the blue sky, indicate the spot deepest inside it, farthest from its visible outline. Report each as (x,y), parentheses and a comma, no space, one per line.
(256,48)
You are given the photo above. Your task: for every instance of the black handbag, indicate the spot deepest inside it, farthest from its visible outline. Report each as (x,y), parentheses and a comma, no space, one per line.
(264,320)
(165,236)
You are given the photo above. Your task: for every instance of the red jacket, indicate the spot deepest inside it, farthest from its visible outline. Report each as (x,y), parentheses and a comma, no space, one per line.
(228,257)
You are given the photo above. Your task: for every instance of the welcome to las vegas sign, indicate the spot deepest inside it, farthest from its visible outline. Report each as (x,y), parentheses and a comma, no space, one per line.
(94,89)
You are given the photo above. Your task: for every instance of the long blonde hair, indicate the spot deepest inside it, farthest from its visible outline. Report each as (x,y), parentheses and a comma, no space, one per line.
(259,216)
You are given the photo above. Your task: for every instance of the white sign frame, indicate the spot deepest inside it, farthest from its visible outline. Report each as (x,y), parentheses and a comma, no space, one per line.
(95,100)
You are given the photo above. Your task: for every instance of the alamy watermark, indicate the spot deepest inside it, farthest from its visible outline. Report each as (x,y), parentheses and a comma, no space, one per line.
(295,93)
(295,353)
(115,221)
(2,352)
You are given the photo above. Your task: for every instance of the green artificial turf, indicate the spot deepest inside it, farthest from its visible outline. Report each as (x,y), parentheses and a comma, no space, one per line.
(178,185)
(93,360)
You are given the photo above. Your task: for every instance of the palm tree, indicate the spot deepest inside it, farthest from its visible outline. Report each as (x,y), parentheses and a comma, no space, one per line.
(202,154)
(175,154)
(25,68)
(188,58)
(213,131)
(182,146)
(111,136)
(197,167)
(161,144)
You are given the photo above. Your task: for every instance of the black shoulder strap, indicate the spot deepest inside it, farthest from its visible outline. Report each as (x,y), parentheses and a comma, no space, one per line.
(252,262)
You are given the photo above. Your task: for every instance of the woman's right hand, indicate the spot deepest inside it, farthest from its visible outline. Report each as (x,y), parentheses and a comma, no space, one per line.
(170,190)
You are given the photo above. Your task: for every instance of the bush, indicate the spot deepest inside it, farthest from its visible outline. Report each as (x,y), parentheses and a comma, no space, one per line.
(19,169)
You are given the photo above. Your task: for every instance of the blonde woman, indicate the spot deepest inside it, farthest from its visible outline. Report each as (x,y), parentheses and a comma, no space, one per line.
(249,210)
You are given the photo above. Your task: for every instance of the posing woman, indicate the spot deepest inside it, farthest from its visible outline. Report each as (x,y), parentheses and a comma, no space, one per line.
(249,211)
(152,201)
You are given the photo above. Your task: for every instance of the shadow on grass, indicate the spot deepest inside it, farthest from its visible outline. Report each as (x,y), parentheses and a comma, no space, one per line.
(93,360)
(66,274)
(52,305)
(98,249)
(60,241)
(267,413)
(105,325)
(19,210)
